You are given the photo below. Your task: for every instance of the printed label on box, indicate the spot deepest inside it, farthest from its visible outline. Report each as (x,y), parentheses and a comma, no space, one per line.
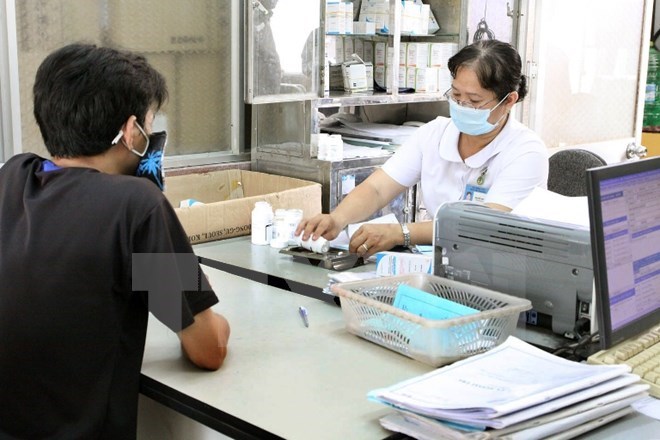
(399,263)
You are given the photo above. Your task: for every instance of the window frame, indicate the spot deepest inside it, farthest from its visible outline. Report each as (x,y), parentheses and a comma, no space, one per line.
(10,110)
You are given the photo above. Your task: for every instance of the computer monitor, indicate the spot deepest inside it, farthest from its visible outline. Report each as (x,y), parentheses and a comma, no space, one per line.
(624,211)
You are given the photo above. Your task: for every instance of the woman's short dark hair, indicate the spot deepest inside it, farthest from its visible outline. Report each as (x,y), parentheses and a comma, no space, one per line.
(83,94)
(497,65)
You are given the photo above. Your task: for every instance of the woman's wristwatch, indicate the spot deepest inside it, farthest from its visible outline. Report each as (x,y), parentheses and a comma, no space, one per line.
(406,234)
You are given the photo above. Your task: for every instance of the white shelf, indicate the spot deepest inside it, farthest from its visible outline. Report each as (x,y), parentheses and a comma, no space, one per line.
(339,99)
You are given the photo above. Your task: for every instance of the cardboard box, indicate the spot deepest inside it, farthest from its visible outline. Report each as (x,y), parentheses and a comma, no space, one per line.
(349,48)
(355,76)
(439,53)
(423,80)
(380,53)
(400,263)
(417,55)
(368,47)
(228,197)
(364,28)
(334,49)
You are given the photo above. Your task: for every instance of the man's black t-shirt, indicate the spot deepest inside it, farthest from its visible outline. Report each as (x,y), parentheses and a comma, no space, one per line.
(72,329)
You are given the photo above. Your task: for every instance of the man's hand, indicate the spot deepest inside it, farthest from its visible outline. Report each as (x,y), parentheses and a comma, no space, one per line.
(205,341)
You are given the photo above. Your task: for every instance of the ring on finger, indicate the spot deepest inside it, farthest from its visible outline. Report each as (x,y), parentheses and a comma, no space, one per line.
(366,248)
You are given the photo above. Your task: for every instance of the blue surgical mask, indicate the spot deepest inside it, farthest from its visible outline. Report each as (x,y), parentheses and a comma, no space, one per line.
(151,163)
(472,121)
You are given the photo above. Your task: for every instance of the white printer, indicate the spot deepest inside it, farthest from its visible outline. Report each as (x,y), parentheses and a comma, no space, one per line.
(547,262)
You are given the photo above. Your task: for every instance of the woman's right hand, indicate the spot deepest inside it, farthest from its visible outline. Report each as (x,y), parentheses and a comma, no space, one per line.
(321,225)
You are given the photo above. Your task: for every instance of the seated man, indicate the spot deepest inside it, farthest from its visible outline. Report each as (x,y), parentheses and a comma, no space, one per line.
(84,244)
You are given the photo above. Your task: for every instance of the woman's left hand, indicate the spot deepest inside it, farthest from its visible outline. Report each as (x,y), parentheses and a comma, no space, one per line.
(372,238)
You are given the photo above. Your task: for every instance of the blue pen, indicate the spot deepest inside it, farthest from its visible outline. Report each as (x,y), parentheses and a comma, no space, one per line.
(303,315)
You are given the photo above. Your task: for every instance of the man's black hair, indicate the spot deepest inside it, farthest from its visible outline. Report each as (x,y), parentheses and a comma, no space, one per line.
(83,94)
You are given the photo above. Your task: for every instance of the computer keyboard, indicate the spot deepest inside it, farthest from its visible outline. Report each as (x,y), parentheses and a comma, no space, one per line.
(641,353)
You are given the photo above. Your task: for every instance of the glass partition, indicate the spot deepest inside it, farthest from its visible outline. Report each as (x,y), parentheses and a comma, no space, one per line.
(195,44)
(285,46)
(586,85)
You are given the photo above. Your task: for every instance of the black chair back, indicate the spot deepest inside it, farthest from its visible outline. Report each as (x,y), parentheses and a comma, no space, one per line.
(567,173)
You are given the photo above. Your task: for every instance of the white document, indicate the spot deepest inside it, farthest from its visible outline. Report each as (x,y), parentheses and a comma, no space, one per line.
(579,420)
(590,425)
(381,130)
(424,428)
(346,277)
(582,417)
(344,237)
(352,151)
(548,205)
(341,241)
(495,383)
(387,218)
(649,406)
(580,412)
(580,400)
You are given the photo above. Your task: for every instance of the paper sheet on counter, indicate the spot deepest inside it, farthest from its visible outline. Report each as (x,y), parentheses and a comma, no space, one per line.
(648,406)
(344,237)
(549,205)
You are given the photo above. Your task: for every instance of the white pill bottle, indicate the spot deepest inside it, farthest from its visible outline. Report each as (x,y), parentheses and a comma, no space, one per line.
(319,246)
(262,221)
(279,234)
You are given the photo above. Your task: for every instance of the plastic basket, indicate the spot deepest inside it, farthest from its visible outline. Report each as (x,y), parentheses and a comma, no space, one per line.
(368,312)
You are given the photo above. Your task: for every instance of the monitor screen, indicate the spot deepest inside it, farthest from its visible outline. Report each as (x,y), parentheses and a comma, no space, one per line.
(624,211)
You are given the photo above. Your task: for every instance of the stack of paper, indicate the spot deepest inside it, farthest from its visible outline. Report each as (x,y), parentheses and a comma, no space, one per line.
(513,391)
(394,134)
(548,205)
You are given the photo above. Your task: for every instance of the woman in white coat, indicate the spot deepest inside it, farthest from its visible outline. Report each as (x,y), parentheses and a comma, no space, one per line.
(479,153)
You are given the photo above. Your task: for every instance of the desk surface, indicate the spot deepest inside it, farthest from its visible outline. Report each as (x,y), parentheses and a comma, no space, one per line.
(282,379)
(266,265)
(279,376)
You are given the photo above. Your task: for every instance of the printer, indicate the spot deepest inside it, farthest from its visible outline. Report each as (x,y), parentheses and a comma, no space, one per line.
(545,261)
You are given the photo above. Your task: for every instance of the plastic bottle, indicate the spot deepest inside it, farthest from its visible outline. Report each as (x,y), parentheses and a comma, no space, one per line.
(293,217)
(320,245)
(285,223)
(262,221)
(280,232)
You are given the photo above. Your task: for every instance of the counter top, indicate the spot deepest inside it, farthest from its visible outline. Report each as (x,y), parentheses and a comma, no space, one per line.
(280,378)
(267,265)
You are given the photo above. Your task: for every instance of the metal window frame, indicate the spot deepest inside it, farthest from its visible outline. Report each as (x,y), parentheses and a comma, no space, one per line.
(10,110)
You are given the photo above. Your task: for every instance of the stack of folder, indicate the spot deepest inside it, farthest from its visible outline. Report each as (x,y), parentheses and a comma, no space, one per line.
(514,391)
